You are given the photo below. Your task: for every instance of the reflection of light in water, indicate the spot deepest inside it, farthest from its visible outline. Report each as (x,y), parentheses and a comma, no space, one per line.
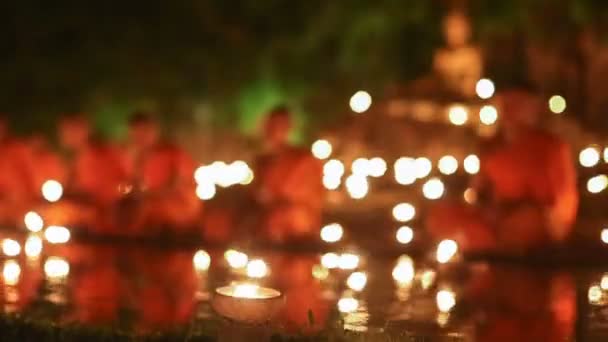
(470,196)
(557,104)
(331,182)
(332,233)
(377,167)
(320,272)
(348,304)
(33,222)
(10,247)
(330,260)
(605,235)
(447,165)
(57,234)
(405,171)
(33,246)
(433,189)
(348,261)
(488,115)
(446,300)
(360,101)
(443,318)
(246,290)
(321,149)
(404,272)
(205,190)
(484,88)
(595,294)
(404,212)
(56,268)
(405,235)
(52,190)
(357,186)
(333,168)
(471,164)
(446,251)
(356,320)
(201,260)
(257,269)
(236,259)
(427,278)
(357,281)
(604,282)
(423,167)
(597,184)
(458,115)
(11,272)
(589,157)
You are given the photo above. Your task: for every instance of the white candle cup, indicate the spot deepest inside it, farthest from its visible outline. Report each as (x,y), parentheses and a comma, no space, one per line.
(247,303)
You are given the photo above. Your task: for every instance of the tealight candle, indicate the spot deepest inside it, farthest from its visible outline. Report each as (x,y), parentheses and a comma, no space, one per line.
(247,303)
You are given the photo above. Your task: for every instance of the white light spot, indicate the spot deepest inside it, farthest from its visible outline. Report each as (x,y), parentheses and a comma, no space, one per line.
(321,149)
(557,104)
(33,246)
(446,250)
(448,165)
(56,268)
(484,88)
(589,157)
(257,269)
(201,260)
(433,189)
(52,190)
(330,260)
(348,305)
(446,300)
(357,281)
(471,164)
(597,184)
(348,261)
(488,115)
(458,115)
(57,234)
(332,233)
(33,222)
(360,102)
(236,259)
(404,212)
(11,247)
(405,235)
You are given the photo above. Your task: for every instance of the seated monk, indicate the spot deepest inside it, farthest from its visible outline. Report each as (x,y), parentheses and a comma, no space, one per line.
(95,172)
(526,185)
(18,192)
(164,192)
(288,184)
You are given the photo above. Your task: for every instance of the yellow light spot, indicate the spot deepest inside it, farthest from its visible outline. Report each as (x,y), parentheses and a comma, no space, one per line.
(348,261)
(458,115)
(52,190)
(484,88)
(446,300)
(201,260)
(10,247)
(33,222)
(446,250)
(11,272)
(236,259)
(448,165)
(357,281)
(470,196)
(604,282)
(257,269)
(595,294)
(360,102)
(557,104)
(405,235)
(332,233)
(433,189)
(404,212)
(403,272)
(246,291)
(330,260)
(427,279)
(597,184)
(320,272)
(589,157)
(348,305)
(321,149)
(605,235)
(488,115)
(471,164)
(606,155)
(57,234)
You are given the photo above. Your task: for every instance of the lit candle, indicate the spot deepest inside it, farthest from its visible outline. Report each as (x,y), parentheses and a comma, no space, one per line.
(247,303)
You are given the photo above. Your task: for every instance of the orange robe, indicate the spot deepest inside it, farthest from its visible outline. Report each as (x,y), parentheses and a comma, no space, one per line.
(289,188)
(533,195)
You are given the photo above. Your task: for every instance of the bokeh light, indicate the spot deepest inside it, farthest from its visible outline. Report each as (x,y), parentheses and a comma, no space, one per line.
(332,233)
(433,189)
(423,167)
(361,166)
(488,115)
(11,272)
(236,259)
(201,260)
(404,272)
(595,294)
(330,260)
(446,250)
(604,235)
(257,268)
(377,167)
(33,246)
(333,168)
(485,88)
(360,102)
(246,290)
(348,261)
(205,190)
(470,196)
(33,222)
(405,171)
(357,186)
(446,300)
(11,247)
(331,182)
(405,235)
(52,190)
(348,305)
(357,281)
(471,164)
(320,272)
(589,157)
(447,165)
(321,149)
(605,154)
(557,104)
(57,234)
(404,212)
(458,115)
(56,268)
(604,282)
(597,184)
